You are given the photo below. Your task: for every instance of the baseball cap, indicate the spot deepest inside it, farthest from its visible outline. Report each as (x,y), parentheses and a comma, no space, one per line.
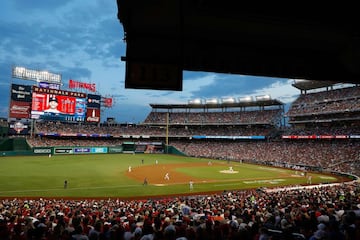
(53,99)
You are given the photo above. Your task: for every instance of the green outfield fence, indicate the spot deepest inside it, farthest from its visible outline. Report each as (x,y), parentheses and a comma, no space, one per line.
(19,146)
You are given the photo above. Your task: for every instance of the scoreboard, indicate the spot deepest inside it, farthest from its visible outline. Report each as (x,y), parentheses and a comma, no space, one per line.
(33,102)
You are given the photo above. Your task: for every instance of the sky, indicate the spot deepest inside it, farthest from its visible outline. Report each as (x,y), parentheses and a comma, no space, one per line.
(83,41)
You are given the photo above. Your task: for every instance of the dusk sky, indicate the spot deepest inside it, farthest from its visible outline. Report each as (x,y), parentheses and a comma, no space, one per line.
(82,40)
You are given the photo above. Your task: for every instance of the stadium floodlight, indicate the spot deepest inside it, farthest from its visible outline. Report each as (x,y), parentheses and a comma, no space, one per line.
(228,100)
(246,99)
(263,98)
(196,101)
(212,101)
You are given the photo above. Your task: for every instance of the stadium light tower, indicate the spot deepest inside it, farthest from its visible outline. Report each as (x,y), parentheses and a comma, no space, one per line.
(245,99)
(196,101)
(228,100)
(211,101)
(263,98)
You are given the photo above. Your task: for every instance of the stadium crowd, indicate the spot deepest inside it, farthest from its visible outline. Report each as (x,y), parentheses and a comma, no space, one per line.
(120,130)
(326,102)
(342,156)
(268,116)
(322,212)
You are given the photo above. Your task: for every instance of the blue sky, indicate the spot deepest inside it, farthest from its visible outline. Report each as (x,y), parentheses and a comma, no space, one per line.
(82,40)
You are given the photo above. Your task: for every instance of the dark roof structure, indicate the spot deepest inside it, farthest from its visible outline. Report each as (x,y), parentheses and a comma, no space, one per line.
(299,41)
(311,84)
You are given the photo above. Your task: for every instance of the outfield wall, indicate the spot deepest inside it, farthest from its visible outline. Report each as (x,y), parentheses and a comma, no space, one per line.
(15,147)
(14,144)
(19,146)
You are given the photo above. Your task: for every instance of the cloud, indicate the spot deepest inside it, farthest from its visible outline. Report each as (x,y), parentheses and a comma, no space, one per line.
(25,5)
(281,90)
(225,85)
(127,113)
(84,41)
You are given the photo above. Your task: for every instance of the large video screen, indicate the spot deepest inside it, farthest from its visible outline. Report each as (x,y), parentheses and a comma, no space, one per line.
(58,107)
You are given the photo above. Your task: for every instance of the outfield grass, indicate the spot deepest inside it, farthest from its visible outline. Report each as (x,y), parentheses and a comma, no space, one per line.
(103,175)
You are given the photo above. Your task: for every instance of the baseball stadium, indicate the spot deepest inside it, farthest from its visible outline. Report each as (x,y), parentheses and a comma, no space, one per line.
(227,168)
(248,167)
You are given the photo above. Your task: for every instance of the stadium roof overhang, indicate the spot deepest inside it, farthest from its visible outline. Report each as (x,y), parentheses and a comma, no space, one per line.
(311,84)
(164,37)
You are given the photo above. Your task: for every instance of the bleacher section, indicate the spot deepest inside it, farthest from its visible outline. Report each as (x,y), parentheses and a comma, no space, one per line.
(268,117)
(326,106)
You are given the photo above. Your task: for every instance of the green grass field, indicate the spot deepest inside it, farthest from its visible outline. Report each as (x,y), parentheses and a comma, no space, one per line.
(103,176)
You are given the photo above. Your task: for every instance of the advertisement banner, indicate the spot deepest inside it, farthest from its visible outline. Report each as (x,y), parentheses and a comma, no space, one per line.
(93,115)
(19,109)
(19,128)
(36,75)
(89,86)
(299,137)
(49,85)
(93,101)
(341,136)
(315,137)
(99,150)
(42,150)
(20,93)
(81,150)
(115,149)
(58,92)
(63,151)
(229,137)
(108,102)
(80,109)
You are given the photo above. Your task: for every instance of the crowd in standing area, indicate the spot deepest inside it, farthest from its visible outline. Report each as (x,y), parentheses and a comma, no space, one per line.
(322,212)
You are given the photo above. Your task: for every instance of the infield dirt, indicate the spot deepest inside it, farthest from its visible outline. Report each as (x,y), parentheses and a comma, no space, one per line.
(155,173)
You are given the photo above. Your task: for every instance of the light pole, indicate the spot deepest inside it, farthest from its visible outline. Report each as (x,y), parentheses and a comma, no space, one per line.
(167,132)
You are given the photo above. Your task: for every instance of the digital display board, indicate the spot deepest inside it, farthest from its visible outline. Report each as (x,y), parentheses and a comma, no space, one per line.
(58,107)
(62,105)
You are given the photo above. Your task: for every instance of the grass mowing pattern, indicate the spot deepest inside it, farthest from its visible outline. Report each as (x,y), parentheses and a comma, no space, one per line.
(103,175)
